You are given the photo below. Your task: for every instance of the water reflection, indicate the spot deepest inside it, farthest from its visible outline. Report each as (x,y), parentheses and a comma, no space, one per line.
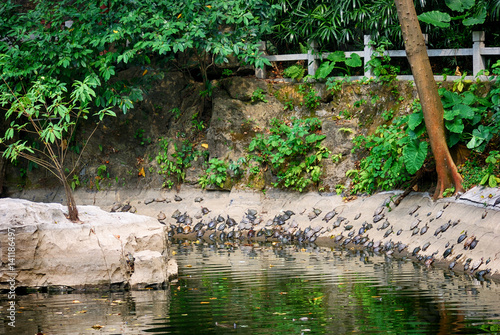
(274,289)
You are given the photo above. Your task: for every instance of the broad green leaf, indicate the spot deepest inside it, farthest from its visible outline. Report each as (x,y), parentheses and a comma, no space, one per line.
(457,126)
(460,5)
(354,61)
(450,114)
(436,18)
(479,19)
(414,156)
(324,70)
(415,120)
(464,111)
(337,56)
(492,181)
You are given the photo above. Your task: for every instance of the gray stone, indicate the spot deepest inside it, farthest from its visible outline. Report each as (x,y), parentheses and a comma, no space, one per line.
(50,250)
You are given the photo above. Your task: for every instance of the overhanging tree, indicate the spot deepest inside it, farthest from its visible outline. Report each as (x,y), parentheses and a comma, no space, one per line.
(430,100)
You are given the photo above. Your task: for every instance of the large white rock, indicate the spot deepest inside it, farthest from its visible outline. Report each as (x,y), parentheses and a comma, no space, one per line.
(51,251)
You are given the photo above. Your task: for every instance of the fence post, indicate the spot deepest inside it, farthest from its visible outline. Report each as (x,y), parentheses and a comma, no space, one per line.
(478,43)
(312,62)
(261,73)
(368,51)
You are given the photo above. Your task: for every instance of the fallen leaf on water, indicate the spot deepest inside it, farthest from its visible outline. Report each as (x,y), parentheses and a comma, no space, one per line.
(204,302)
(189,266)
(142,172)
(214,298)
(76,301)
(204,145)
(399,310)
(97,326)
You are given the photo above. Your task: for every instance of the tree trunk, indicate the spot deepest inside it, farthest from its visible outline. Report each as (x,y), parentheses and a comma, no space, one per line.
(72,209)
(430,100)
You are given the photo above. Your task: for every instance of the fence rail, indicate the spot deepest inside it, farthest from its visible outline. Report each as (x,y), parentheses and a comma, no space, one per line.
(313,57)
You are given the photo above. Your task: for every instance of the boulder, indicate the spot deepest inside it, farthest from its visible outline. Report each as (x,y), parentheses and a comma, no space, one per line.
(103,250)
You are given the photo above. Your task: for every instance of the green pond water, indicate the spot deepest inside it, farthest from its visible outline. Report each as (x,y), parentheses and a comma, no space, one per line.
(275,289)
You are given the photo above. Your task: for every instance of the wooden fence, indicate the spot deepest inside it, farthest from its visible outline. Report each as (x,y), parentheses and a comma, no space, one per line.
(313,57)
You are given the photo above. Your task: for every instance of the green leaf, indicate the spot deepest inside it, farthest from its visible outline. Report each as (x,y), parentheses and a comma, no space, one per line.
(436,18)
(484,179)
(460,5)
(324,70)
(492,181)
(415,120)
(465,112)
(457,126)
(354,61)
(414,156)
(337,56)
(479,19)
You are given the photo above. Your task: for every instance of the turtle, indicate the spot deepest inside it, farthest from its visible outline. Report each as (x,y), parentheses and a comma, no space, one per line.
(177,198)
(445,226)
(230,222)
(415,231)
(329,216)
(211,225)
(438,230)
(161,216)
(222,236)
(149,201)
(439,214)
(348,227)
(198,226)
(289,212)
(200,233)
(313,238)
(388,232)
(415,251)
(462,237)
(339,238)
(399,232)
(252,212)
(161,199)
(379,210)
(474,266)
(447,252)
(378,217)
(402,247)
(126,208)
(424,229)
(357,216)
(312,216)
(205,210)
(221,227)
(452,265)
(230,235)
(445,205)
(198,199)
(384,225)
(220,218)
(180,230)
(176,214)
(482,273)
(425,246)
(212,237)
(415,224)
(468,241)
(473,244)
(116,207)
(454,223)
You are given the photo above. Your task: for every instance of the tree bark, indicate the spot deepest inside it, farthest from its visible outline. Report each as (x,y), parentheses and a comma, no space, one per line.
(72,209)
(430,100)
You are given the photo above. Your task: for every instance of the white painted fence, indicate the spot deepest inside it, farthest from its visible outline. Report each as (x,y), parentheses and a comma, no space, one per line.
(313,58)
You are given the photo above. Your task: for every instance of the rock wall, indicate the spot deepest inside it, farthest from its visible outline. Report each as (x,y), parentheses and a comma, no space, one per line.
(218,125)
(104,250)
